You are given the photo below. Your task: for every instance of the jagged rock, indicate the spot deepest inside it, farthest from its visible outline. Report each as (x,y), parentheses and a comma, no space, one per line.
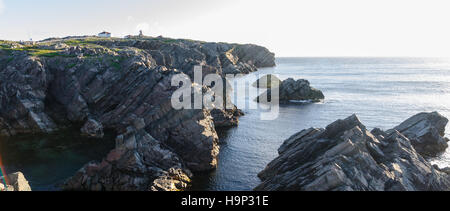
(15,182)
(122,83)
(118,81)
(92,129)
(426,132)
(138,163)
(347,157)
(226,117)
(267,81)
(291,90)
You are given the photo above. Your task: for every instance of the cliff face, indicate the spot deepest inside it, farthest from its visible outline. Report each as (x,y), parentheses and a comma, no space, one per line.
(113,82)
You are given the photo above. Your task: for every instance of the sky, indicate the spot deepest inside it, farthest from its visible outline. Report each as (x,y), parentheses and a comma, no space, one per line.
(286,27)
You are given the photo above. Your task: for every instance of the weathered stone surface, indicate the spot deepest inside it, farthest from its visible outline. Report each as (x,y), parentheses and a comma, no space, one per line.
(138,163)
(426,132)
(347,157)
(291,90)
(93,129)
(15,182)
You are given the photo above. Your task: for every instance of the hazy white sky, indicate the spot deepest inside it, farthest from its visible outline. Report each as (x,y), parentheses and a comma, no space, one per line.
(286,27)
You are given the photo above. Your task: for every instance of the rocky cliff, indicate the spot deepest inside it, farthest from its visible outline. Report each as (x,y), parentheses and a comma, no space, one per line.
(111,83)
(345,156)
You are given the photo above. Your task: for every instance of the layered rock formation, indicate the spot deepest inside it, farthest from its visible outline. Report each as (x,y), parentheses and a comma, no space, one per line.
(109,83)
(291,90)
(14,182)
(138,163)
(345,156)
(426,132)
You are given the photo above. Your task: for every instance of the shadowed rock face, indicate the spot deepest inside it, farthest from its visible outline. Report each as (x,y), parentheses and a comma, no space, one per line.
(139,163)
(345,156)
(109,83)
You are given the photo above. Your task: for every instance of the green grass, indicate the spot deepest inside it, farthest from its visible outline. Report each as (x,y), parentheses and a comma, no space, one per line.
(88,42)
(45,53)
(32,50)
(116,65)
(169,41)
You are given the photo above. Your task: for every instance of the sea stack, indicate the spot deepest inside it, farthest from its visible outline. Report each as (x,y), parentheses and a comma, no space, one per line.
(293,90)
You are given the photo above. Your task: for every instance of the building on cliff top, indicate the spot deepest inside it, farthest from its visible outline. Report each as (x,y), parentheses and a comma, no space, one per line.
(104,34)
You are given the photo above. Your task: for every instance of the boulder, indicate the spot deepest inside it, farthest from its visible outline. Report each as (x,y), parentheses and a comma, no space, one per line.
(15,182)
(291,90)
(426,132)
(345,156)
(92,128)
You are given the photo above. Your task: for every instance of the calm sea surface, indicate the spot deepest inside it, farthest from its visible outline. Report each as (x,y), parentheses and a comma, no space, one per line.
(383,92)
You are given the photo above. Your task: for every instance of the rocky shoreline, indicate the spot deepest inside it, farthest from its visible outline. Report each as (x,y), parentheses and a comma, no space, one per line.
(125,85)
(345,156)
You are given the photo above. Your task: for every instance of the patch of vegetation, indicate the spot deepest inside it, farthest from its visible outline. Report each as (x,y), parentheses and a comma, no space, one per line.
(31,50)
(169,41)
(45,53)
(88,42)
(116,65)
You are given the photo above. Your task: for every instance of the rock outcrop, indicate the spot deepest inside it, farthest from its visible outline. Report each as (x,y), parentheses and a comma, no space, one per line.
(109,83)
(267,81)
(426,132)
(290,90)
(345,156)
(138,163)
(14,182)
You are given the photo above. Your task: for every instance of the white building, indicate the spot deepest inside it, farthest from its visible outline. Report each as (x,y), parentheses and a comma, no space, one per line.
(104,34)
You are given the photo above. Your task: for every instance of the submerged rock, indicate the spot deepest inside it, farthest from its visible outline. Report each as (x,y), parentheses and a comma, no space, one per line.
(291,90)
(426,132)
(15,182)
(345,156)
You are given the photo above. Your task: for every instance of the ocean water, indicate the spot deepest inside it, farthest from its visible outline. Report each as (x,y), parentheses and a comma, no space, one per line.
(48,160)
(383,92)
